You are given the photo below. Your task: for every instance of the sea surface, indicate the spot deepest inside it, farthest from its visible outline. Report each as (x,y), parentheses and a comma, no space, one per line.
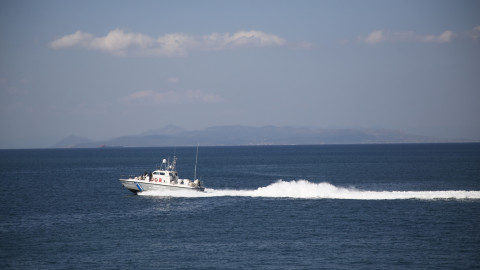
(404,206)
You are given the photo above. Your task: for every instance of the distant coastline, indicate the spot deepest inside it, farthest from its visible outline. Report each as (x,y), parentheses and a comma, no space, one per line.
(244,135)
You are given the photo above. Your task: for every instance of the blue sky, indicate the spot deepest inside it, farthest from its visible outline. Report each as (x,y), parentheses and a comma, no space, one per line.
(102,69)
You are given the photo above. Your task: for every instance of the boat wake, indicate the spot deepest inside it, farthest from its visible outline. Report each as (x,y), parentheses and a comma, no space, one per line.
(303,189)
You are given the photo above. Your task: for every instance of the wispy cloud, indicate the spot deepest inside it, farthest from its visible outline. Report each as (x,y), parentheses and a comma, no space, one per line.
(173,80)
(13,87)
(475,32)
(380,36)
(122,43)
(172,97)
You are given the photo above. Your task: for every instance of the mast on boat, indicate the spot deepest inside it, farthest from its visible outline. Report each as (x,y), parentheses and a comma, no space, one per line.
(196,159)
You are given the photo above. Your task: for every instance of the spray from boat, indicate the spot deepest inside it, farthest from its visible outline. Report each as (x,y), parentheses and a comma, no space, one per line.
(303,189)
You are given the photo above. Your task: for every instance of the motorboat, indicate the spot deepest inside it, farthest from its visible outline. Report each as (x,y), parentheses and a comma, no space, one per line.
(164,177)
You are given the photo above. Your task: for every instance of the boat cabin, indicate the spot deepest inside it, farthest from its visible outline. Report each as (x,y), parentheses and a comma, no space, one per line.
(168,177)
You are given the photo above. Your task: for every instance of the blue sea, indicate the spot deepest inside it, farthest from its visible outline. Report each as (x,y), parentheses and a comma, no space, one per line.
(404,206)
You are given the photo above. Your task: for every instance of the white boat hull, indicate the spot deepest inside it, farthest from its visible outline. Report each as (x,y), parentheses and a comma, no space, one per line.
(136,186)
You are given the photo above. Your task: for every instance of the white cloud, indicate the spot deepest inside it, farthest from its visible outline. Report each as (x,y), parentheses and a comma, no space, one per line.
(119,42)
(248,39)
(442,38)
(446,36)
(375,37)
(172,97)
(77,39)
(140,95)
(173,45)
(380,36)
(116,42)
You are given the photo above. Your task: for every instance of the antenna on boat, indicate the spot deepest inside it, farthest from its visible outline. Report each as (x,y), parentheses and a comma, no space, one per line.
(196,159)
(174,163)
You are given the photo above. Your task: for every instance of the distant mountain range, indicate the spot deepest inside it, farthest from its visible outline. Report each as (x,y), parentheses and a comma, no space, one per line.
(172,135)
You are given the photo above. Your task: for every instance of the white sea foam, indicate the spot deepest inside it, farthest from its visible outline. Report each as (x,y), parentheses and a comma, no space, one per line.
(303,189)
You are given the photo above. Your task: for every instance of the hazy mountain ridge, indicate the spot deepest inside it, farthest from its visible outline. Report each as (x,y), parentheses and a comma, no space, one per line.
(244,135)
(166,130)
(72,141)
